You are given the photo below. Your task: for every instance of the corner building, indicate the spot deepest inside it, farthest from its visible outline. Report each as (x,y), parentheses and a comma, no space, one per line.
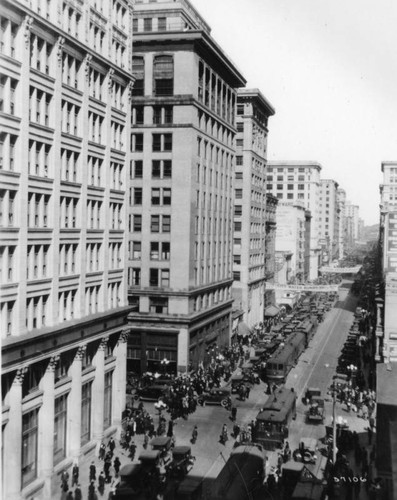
(181,198)
(64,144)
(250,225)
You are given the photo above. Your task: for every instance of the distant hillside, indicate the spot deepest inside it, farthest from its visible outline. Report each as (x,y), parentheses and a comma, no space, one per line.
(370,233)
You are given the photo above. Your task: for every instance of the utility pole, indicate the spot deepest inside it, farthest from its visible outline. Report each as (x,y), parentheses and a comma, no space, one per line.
(334,426)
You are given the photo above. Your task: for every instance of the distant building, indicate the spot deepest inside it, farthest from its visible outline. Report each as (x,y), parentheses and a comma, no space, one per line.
(300,181)
(341,200)
(329,220)
(352,223)
(290,237)
(270,247)
(249,244)
(65,155)
(181,200)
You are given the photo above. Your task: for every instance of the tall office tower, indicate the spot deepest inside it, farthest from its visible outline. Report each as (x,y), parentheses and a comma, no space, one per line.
(290,237)
(300,181)
(341,199)
(181,199)
(65,131)
(249,249)
(352,224)
(329,220)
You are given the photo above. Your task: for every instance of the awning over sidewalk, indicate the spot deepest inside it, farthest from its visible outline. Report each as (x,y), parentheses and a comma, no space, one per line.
(243,329)
(271,311)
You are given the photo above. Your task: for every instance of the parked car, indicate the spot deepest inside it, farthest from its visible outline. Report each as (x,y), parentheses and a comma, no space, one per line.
(216,397)
(151,393)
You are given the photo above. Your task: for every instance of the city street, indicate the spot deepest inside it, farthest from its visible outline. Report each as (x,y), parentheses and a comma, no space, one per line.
(315,368)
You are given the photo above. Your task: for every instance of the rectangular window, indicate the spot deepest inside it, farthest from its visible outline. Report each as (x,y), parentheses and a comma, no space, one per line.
(86,413)
(137,226)
(166,226)
(137,196)
(154,250)
(155,224)
(60,426)
(136,249)
(153,277)
(158,305)
(107,410)
(29,446)
(137,142)
(163,75)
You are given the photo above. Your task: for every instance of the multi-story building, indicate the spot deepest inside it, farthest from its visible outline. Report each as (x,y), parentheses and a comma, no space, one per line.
(181,199)
(341,200)
(249,273)
(290,236)
(271,262)
(386,335)
(300,181)
(329,220)
(65,131)
(352,223)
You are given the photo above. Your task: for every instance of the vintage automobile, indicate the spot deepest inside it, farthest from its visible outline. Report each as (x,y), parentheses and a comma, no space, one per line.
(310,393)
(151,393)
(316,411)
(130,481)
(306,452)
(216,396)
(182,461)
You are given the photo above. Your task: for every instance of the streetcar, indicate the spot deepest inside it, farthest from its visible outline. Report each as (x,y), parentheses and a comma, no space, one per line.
(285,357)
(309,328)
(242,475)
(272,422)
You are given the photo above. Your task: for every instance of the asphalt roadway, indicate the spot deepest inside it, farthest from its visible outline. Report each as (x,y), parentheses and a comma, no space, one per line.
(315,368)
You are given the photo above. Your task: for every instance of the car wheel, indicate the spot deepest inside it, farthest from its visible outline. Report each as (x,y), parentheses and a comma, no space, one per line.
(224,403)
(200,401)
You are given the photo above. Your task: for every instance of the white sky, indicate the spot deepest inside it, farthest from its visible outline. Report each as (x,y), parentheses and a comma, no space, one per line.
(329,67)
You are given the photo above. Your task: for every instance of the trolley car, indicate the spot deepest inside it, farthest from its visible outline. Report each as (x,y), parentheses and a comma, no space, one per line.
(285,357)
(271,425)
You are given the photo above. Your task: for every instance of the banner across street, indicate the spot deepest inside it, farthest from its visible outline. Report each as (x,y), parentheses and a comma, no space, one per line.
(340,270)
(303,288)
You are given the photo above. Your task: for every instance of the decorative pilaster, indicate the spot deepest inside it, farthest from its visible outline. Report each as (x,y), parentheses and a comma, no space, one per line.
(12,443)
(130,89)
(46,427)
(60,44)
(27,25)
(87,63)
(98,389)
(74,404)
(120,379)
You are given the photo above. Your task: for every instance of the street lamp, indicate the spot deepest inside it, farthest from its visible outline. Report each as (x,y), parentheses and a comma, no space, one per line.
(164,363)
(353,370)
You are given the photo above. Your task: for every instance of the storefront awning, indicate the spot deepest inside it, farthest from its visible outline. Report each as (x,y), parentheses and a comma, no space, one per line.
(242,329)
(271,311)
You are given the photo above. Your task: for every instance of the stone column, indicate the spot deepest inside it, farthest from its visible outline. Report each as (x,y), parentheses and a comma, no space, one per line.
(12,466)
(119,380)
(74,405)
(46,427)
(98,389)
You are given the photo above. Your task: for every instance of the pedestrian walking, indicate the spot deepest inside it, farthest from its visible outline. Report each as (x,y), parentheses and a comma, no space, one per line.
(75,473)
(145,440)
(111,445)
(77,493)
(69,495)
(194,434)
(102,451)
(132,450)
(91,491)
(247,391)
(101,483)
(65,480)
(234,413)
(117,465)
(170,430)
(92,472)
(106,468)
